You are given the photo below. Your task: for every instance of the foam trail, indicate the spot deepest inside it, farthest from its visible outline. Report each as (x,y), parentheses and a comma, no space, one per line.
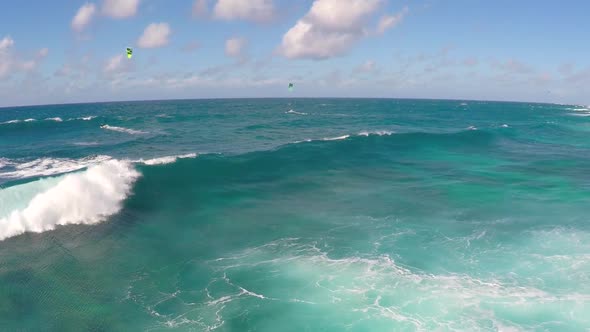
(29,120)
(87,118)
(165,160)
(54,119)
(295,112)
(11,121)
(49,166)
(336,138)
(123,130)
(82,198)
(378,132)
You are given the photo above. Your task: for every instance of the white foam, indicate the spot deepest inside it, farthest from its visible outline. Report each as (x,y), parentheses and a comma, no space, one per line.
(49,166)
(580,109)
(378,286)
(295,112)
(471,128)
(88,197)
(123,130)
(504,126)
(305,140)
(87,118)
(11,121)
(336,138)
(29,120)
(362,133)
(580,114)
(5,162)
(165,160)
(377,132)
(56,119)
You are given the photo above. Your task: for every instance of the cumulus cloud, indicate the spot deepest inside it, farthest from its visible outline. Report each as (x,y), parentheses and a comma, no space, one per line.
(329,29)
(120,8)
(389,21)
(10,63)
(234,47)
(114,64)
(83,16)
(252,10)
(117,64)
(6,43)
(200,8)
(154,35)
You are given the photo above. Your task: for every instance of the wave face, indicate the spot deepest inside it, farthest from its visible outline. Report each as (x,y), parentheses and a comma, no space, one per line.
(362,215)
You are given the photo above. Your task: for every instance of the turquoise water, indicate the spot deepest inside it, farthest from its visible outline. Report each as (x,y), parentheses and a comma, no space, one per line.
(295,215)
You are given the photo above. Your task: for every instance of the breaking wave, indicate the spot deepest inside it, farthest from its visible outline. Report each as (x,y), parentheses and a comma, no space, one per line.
(88,197)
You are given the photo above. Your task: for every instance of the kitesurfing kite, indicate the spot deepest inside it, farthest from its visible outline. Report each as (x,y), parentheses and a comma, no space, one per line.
(129,52)
(290,86)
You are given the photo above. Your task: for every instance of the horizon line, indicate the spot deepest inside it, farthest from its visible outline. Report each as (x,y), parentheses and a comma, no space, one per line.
(238,98)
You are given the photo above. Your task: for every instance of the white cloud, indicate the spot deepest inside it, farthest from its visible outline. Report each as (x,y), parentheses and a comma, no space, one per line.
(120,8)
(113,64)
(253,10)
(200,8)
(43,52)
(83,16)
(118,64)
(154,35)
(329,29)
(234,47)
(6,43)
(10,63)
(389,21)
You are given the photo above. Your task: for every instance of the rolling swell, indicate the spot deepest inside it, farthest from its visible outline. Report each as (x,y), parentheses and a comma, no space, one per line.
(189,183)
(292,166)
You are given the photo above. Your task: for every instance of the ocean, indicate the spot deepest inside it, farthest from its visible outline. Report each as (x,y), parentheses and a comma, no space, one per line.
(295,215)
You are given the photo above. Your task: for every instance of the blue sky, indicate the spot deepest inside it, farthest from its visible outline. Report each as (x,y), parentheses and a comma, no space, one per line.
(65,51)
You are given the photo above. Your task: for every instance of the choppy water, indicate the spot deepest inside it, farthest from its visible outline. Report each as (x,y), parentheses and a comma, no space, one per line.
(295,215)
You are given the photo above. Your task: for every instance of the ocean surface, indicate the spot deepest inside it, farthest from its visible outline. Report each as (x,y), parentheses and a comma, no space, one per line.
(295,215)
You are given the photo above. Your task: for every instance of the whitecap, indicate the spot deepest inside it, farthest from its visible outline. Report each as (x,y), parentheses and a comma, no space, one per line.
(56,119)
(123,130)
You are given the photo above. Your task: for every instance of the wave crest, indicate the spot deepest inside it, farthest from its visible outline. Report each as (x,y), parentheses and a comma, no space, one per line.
(88,197)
